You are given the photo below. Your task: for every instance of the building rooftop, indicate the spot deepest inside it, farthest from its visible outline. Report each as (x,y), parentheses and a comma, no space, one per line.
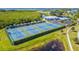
(55,18)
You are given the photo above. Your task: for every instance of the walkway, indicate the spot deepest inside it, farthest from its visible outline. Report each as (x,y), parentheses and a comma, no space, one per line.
(68,39)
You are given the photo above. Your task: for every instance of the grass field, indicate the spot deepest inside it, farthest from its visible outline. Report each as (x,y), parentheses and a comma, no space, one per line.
(73,36)
(17,17)
(35,43)
(9,15)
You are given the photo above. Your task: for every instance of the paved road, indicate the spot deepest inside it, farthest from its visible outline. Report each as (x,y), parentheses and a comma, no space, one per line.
(68,39)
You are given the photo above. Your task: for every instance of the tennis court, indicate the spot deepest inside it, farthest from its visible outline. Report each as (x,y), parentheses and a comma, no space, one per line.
(20,33)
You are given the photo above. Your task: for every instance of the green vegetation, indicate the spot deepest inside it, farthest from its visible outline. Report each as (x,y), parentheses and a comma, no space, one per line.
(5,43)
(16,17)
(57,12)
(73,37)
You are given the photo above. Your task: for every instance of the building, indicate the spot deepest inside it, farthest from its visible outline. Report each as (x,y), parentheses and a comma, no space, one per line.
(50,17)
(58,19)
(55,17)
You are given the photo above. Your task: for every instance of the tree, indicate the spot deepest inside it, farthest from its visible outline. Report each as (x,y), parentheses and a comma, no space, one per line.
(57,12)
(73,28)
(62,30)
(54,45)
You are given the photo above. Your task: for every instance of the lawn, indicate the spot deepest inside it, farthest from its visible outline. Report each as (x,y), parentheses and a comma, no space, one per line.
(5,43)
(73,36)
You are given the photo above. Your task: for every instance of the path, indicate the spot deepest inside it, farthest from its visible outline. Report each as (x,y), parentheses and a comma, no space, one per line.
(68,39)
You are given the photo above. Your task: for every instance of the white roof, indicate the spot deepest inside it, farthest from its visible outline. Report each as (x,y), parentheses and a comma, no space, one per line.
(50,17)
(54,17)
(63,18)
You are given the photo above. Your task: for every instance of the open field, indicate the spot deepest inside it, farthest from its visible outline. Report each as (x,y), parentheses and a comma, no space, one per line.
(9,15)
(73,36)
(35,43)
(16,17)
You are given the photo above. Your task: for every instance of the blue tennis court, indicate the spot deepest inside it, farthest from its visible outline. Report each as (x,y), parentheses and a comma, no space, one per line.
(30,28)
(34,31)
(54,25)
(16,34)
(20,33)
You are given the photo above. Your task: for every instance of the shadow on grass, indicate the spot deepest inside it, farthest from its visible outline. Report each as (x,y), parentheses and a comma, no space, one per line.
(54,45)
